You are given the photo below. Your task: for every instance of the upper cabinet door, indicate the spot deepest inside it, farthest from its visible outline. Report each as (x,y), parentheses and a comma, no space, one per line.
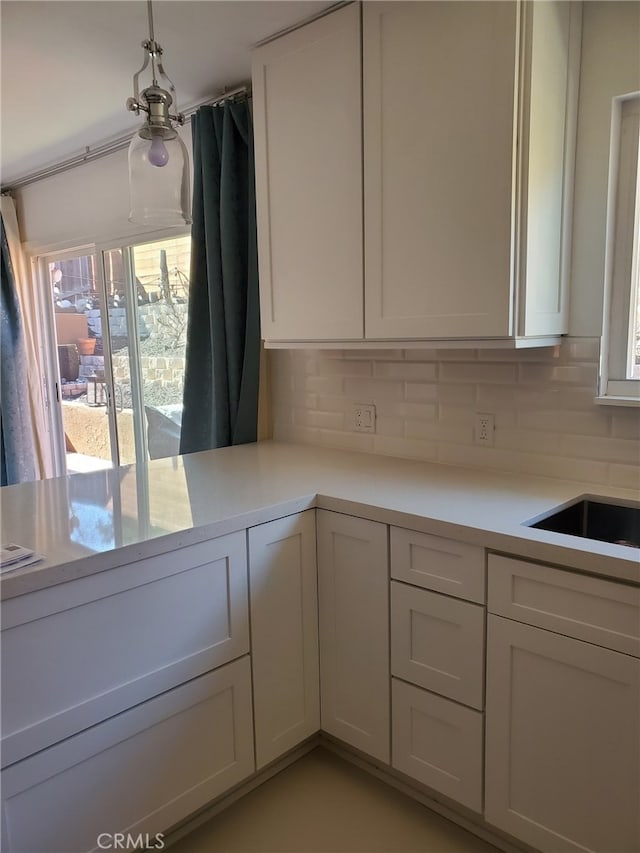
(439,93)
(552,35)
(308,148)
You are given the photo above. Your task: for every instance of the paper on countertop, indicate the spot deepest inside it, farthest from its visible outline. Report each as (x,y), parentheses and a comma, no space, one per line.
(14,556)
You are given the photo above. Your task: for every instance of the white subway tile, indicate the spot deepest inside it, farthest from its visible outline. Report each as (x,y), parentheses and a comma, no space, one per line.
(440,355)
(375,354)
(581,470)
(344,368)
(460,433)
(478,372)
(557,397)
(625,477)
(324,384)
(625,423)
(490,397)
(606,449)
(478,457)
(389,425)
(457,395)
(528,441)
(334,403)
(516,356)
(456,415)
(412,372)
(310,401)
(324,420)
(581,349)
(594,422)
(422,411)
(406,448)
(360,441)
(577,374)
(371,390)
(419,392)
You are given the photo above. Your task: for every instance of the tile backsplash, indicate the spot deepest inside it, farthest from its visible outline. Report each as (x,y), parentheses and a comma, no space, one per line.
(542,399)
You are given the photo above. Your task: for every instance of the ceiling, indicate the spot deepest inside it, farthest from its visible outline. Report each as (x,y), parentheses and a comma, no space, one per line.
(67,65)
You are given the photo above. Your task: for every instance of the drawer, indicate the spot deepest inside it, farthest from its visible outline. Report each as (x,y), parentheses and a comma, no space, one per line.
(139,772)
(80,652)
(587,608)
(440,564)
(437,742)
(438,643)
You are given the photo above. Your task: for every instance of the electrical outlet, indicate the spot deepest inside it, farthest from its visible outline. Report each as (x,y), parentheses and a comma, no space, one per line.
(364,417)
(484,428)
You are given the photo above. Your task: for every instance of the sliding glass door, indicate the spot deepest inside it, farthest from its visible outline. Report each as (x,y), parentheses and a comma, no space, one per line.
(117,323)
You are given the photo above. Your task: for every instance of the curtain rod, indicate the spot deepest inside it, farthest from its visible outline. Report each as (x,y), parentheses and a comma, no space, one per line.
(98,151)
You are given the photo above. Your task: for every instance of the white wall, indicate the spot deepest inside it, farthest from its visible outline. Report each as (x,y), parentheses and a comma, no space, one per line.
(610,66)
(85,204)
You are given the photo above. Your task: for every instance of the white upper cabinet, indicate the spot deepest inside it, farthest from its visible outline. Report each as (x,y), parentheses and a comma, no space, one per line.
(438,119)
(308,148)
(467,155)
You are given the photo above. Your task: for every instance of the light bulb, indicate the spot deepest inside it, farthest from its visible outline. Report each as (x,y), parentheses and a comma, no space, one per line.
(158,154)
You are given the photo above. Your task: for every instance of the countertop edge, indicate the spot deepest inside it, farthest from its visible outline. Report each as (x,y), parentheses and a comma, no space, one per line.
(579,559)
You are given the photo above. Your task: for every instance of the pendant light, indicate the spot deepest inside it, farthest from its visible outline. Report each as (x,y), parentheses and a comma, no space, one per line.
(158,159)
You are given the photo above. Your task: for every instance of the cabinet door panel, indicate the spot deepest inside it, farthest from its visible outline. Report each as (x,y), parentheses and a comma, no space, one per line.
(438,138)
(438,742)
(438,643)
(593,609)
(151,625)
(443,565)
(139,772)
(562,741)
(284,633)
(308,132)
(353,583)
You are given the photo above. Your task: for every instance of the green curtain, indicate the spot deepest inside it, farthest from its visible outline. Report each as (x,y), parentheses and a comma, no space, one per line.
(223,331)
(17,453)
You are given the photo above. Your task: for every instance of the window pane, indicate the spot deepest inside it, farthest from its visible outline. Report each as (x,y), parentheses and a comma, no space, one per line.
(78,329)
(161,271)
(117,302)
(633,361)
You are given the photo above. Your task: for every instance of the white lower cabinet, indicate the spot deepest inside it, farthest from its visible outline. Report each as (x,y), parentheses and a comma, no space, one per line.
(353,584)
(78,653)
(139,772)
(438,742)
(284,633)
(562,708)
(437,643)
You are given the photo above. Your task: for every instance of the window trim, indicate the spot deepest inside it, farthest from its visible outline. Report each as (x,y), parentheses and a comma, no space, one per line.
(622,266)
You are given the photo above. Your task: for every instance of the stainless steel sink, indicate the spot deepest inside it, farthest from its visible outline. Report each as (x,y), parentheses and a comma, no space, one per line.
(592,517)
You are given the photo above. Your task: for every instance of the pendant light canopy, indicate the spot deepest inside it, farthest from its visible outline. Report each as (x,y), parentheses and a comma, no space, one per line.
(158,159)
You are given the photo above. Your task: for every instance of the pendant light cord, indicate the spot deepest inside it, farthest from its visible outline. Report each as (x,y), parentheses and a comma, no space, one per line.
(150,14)
(152,42)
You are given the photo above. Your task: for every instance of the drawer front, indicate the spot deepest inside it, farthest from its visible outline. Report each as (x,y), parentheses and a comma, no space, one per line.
(440,564)
(76,654)
(438,643)
(438,742)
(591,609)
(139,772)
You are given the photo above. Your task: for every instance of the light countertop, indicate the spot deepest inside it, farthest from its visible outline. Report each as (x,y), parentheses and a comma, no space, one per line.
(87,523)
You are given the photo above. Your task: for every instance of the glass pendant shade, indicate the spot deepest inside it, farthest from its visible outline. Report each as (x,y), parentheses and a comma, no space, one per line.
(159,178)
